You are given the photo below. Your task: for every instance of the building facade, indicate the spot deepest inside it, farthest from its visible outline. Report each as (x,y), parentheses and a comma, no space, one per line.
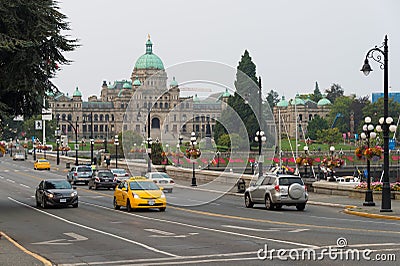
(125,105)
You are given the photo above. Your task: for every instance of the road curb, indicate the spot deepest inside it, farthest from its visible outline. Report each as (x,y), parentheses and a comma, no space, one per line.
(370,215)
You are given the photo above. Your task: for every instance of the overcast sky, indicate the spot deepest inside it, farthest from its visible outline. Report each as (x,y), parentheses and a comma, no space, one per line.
(293,43)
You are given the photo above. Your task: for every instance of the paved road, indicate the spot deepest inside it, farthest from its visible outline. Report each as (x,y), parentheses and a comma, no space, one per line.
(199,227)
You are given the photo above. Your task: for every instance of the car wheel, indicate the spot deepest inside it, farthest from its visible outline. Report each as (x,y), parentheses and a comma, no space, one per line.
(37,202)
(75,205)
(44,203)
(116,206)
(301,206)
(247,201)
(128,206)
(268,204)
(162,209)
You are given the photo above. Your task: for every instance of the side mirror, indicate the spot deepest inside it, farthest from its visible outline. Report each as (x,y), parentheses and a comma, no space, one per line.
(74,187)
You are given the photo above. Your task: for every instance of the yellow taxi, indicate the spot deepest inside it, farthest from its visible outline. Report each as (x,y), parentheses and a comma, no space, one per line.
(138,193)
(41,164)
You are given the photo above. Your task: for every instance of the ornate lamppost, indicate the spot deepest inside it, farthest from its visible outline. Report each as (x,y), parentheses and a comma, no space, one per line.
(332,151)
(260,138)
(306,164)
(367,134)
(218,156)
(193,153)
(376,54)
(178,147)
(116,143)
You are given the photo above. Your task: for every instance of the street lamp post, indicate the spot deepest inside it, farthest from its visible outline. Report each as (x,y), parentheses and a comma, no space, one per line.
(11,141)
(58,135)
(75,128)
(368,134)
(194,143)
(332,150)
(306,164)
(178,147)
(218,155)
(116,143)
(260,138)
(376,54)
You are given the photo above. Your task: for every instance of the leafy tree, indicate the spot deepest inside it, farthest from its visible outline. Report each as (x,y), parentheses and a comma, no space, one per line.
(356,108)
(156,150)
(272,98)
(330,135)
(341,107)
(334,92)
(317,95)
(315,125)
(31,46)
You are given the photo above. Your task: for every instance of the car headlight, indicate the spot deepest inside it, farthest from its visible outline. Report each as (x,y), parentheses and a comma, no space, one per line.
(73,194)
(162,195)
(135,196)
(50,196)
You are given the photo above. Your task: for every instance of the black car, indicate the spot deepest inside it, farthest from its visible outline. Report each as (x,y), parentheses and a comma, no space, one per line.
(103,179)
(56,192)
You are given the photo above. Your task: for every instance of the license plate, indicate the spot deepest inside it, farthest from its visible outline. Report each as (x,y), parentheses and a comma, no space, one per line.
(63,200)
(163,181)
(151,202)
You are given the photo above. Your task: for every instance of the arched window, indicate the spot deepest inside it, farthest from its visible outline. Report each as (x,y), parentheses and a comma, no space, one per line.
(107,117)
(112,117)
(96,117)
(63,117)
(155,123)
(69,117)
(166,105)
(101,117)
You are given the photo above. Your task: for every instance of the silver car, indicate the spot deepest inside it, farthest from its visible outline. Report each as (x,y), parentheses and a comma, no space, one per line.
(274,191)
(80,174)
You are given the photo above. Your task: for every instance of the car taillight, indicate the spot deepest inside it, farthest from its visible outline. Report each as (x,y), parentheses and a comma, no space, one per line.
(277,188)
(155,181)
(115,179)
(115,175)
(97,179)
(171,181)
(75,174)
(126,174)
(305,188)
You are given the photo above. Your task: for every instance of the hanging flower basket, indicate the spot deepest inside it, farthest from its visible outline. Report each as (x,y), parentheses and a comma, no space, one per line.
(304,161)
(193,153)
(372,153)
(334,162)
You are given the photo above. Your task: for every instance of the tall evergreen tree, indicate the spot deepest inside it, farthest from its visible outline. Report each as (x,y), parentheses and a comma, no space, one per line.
(243,104)
(334,92)
(31,46)
(272,98)
(317,93)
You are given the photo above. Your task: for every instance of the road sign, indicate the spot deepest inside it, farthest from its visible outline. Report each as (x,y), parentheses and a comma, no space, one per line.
(76,146)
(38,125)
(46,114)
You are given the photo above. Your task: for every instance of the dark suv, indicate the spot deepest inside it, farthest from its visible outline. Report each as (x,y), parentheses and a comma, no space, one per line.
(103,178)
(80,174)
(277,190)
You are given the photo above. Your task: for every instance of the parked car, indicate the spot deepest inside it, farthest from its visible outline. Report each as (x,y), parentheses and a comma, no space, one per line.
(162,180)
(139,193)
(41,164)
(103,179)
(80,174)
(19,156)
(277,190)
(55,192)
(120,174)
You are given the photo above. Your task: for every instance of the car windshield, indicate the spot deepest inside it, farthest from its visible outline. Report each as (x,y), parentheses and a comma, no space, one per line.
(160,175)
(105,174)
(119,171)
(290,180)
(84,169)
(143,185)
(43,161)
(57,184)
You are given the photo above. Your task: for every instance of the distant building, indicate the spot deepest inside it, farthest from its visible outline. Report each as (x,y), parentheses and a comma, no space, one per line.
(286,113)
(394,95)
(170,115)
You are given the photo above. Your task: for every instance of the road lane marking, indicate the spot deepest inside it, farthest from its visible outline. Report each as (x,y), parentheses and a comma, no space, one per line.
(207,228)
(96,230)
(9,180)
(23,185)
(160,232)
(53,242)
(250,229)
(76,237)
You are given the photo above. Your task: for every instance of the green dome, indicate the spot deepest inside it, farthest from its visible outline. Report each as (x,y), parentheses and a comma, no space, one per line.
(282,103)
(297,101)
(323,101)
(127,85)
(174,83)
(77,93)
(149,60)
(49,93)
(137,82)
(226,93)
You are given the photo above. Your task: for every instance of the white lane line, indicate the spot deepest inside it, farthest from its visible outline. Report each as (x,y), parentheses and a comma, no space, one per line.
(1,177)
(298,230)
(160,232)
(9,180)
(96,230)
(207,228)
(25,186)
(250,229)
